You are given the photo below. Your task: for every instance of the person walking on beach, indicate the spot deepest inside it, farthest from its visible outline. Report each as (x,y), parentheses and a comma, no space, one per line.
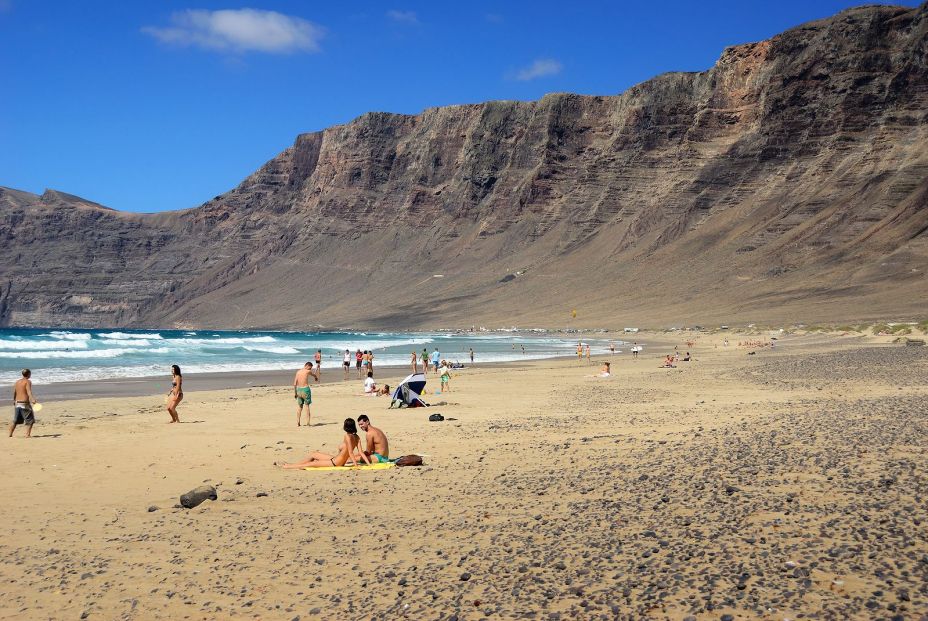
(302,393)
(346,363)
(23,400)
(435,358)
(635,350)
(425,361)
(358,358)
(580,352)
(611,349)
(370,361)
(415,366)
(588,353)
(378,449)
(177,393)
(472,356)
(318,359)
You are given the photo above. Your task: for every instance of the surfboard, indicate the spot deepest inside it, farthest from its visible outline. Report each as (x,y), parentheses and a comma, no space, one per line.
(377,466)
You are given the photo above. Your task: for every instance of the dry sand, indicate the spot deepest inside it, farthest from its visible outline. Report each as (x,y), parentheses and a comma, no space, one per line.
(785,484)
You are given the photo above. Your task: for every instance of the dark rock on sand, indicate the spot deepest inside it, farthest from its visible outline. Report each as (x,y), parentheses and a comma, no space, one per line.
(196,496)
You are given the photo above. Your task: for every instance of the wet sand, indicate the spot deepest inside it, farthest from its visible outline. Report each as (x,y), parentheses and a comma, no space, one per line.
(787,484)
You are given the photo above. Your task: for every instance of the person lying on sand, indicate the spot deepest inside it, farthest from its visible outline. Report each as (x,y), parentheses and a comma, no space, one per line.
(347,450)
(378,449)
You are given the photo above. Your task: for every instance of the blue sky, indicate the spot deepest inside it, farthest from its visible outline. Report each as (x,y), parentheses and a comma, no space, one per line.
(149,106)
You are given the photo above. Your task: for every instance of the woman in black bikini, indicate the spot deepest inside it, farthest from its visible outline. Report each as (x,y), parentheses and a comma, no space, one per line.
(177,393)
(349,447)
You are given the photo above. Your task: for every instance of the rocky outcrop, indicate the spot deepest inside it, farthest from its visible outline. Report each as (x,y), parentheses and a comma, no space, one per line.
(788,182)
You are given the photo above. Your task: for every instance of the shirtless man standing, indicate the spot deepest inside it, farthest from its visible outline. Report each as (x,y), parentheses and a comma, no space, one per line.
(22,404)
(378,449)
(302,393)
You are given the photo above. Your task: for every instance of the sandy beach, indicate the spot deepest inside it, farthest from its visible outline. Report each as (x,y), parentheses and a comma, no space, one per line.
(787,484)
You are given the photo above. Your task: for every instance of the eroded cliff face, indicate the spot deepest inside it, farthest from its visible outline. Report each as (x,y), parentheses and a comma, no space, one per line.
(788,182)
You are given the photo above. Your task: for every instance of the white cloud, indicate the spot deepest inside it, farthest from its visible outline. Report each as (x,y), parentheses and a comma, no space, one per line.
(405,17)
(539,69)
(240,30)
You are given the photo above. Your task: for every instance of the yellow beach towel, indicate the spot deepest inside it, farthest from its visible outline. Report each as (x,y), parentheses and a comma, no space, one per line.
(377,466)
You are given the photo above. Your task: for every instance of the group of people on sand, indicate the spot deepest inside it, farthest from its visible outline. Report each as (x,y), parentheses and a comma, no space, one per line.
(377,448)
(581,349)
(426,360)
(371,389)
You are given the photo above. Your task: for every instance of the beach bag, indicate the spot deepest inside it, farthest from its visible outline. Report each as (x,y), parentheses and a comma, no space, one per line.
(436,418)
(409,460)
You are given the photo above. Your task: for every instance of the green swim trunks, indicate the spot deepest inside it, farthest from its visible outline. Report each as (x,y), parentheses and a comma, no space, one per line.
(378,458)
(304,396)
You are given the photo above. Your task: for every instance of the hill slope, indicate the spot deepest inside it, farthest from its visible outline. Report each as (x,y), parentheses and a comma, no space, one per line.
(789,182)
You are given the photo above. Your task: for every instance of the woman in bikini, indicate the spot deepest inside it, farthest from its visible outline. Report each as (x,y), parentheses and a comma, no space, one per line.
(347,450)
(177,393)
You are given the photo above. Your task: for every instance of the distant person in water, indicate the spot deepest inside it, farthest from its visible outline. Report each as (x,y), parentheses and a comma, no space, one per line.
(472,355)
(302,393)
(348,450)
(23,400)
(177,393)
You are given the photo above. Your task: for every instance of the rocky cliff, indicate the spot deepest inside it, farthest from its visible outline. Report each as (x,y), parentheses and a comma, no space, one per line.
(789,182)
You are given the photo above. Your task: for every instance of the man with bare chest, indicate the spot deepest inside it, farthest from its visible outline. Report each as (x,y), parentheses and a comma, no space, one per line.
(23,400)
(378,449)
(302,392)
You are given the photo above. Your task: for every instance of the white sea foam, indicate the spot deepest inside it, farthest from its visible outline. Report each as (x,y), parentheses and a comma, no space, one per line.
(283,349)
(7,345)
(225,340)
(375,345)
(128,342)
(69,336)
(128,336)
(81,354)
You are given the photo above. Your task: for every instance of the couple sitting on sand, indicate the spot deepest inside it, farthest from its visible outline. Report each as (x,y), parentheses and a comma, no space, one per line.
(378,449)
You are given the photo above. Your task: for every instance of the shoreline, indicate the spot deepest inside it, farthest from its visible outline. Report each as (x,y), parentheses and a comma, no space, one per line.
(230,380)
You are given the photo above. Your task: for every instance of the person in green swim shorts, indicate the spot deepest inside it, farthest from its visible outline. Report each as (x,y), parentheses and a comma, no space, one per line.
(378,449)
(302,393)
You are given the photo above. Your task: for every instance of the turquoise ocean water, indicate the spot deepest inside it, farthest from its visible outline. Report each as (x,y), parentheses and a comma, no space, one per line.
(73,355)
